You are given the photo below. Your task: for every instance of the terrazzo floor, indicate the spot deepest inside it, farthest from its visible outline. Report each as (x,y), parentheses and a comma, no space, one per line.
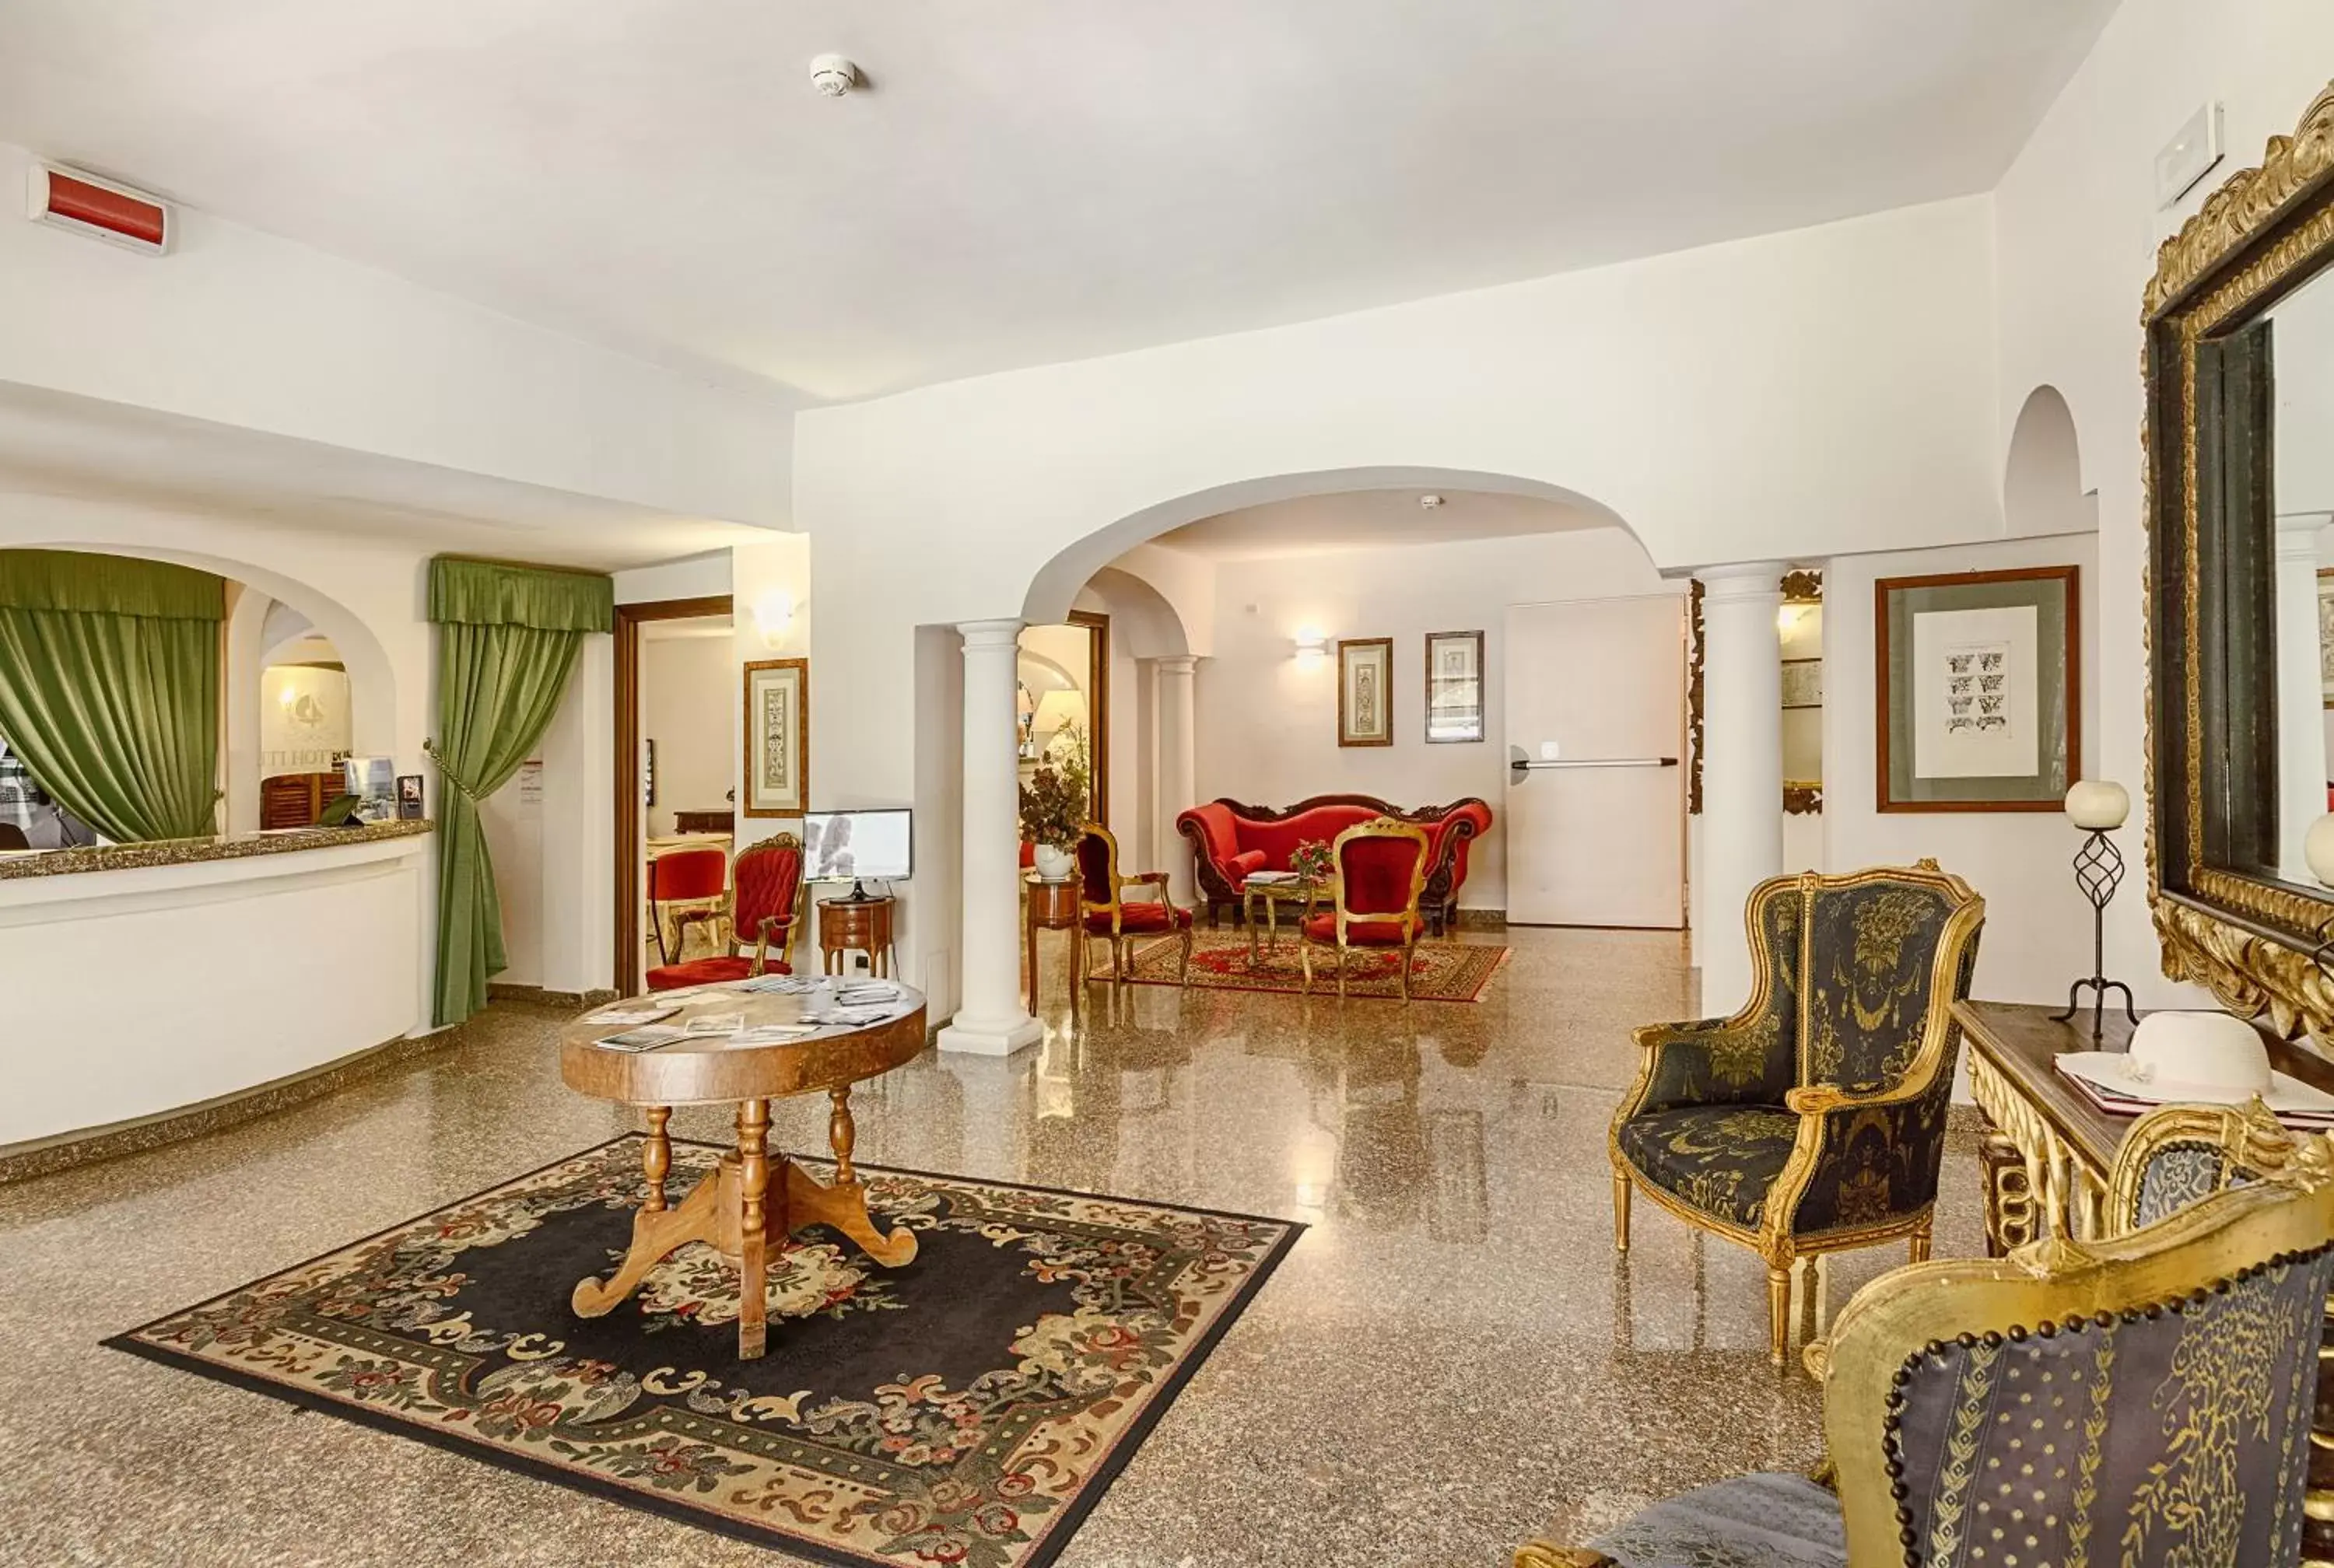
(1449,1363)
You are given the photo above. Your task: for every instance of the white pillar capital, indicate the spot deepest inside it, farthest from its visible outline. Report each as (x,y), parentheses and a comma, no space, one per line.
(1176,663)
(1741,581)
(987,634)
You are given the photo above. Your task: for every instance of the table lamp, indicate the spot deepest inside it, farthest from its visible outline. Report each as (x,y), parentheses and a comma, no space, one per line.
(2098,807)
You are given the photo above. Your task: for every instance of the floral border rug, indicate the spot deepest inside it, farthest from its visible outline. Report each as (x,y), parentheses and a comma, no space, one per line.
(1439,971)
(968,1408)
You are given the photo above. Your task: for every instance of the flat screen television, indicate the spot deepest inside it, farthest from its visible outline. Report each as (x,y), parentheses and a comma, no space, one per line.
(858,846)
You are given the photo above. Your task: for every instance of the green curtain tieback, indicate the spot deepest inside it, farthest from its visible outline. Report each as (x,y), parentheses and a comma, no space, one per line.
(446,768)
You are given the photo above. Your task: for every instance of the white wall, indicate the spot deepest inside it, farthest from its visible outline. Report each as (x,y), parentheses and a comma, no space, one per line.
(248,329)
(1268,723)
(687,701)
(2038,931)
(2077,225)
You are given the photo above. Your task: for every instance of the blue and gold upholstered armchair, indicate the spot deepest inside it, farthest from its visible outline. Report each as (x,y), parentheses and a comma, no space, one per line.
(2143,1402)
(1814,1119)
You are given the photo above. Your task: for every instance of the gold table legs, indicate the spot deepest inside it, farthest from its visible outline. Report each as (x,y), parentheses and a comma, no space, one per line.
(745,1208)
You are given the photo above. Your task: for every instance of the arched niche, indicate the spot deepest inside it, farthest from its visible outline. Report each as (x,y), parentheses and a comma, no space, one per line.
(2042,476)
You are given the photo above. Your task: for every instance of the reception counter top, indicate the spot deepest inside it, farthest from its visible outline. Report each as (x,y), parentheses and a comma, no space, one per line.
(191,852)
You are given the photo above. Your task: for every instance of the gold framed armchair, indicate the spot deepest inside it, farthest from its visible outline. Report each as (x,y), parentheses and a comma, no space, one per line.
(1117,919)
(1813,1120)
(2144,1400)
(1378,871)
(2181,1154)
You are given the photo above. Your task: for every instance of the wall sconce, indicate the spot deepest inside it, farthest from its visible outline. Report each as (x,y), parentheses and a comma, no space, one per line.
(1312,646)
(774,612)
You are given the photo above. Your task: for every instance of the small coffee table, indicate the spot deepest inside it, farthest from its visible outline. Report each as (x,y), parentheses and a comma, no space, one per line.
(1303,893)
(745,1208)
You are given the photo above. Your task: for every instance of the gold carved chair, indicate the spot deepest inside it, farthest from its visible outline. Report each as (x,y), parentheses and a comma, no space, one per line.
(1377,874)
(1813,1120)
(1117,919)
(2143,1402)
(2180,1154)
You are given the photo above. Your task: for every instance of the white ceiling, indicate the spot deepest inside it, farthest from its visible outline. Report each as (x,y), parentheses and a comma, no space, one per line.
(1025,181)
(1372,519)
(53,443)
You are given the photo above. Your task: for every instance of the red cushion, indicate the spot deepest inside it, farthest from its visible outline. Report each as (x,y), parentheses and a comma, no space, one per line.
(1378,874)
(709,971)
(1358,933)
(1236,869)
(1140,918)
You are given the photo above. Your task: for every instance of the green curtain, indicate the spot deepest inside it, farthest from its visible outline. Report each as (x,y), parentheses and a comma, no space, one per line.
(507,641)
(109,687)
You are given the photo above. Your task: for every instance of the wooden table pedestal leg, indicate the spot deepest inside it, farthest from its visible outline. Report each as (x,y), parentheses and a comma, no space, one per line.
(743,1209)
(656,1158)
(753,1234)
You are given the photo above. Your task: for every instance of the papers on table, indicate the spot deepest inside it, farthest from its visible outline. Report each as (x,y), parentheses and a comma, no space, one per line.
(782,984)
(774,1034)
(647,1039)
(715,1024)
(1269,879)
(631,1014)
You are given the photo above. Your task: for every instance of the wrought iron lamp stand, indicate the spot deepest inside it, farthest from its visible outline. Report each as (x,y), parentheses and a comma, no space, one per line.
(2098,872)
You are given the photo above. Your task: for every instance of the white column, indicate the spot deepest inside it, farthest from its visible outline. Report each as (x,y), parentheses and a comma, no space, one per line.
(991,1021)
(1179,773)
(2301,764)
(1742,769)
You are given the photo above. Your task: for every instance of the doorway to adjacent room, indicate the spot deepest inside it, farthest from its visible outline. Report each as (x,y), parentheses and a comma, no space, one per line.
(675,797)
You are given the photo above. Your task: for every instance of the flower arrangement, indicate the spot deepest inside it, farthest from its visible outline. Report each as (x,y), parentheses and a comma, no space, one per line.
(1055,802)
(1310,860)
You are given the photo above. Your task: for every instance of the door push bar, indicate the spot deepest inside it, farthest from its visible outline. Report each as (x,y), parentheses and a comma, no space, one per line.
(1521,766)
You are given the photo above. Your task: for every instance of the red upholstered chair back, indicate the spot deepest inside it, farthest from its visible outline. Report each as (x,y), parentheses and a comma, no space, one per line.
(1381,868)
(769,881)
(689,874)
(1097,865)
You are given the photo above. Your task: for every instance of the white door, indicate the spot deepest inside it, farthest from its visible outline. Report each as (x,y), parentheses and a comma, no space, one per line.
(1595,835)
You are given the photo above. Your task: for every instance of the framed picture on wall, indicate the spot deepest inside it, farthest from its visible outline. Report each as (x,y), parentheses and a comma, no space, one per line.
(1980,686)
(2325,635)
(1366,691)
(777,737)
(1454,685)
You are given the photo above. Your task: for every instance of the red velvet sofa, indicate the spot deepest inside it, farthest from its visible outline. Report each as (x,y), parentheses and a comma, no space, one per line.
(1229,840)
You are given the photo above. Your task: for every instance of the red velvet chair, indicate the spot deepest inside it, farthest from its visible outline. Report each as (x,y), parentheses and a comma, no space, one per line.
(1115,919)
(685,889)
(1380,872)
(764,898)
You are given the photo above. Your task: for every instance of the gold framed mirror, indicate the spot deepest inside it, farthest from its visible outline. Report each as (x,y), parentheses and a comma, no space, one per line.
(2240,369)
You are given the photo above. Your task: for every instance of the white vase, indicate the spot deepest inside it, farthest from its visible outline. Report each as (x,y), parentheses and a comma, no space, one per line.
(1054,864)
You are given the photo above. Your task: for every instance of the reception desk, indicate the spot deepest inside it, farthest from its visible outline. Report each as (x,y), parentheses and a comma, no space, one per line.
(143,981)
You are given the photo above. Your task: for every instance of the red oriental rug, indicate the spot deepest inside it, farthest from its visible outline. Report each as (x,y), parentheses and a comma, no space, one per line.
(1439,971)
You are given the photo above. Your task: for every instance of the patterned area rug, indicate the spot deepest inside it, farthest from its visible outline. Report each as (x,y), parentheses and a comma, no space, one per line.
(968,1408)
(1439,971)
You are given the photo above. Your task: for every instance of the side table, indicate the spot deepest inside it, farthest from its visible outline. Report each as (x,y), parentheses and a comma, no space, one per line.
(855,925)
(1055,906)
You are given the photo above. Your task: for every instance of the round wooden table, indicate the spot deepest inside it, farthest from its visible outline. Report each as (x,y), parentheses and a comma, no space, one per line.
(745,1207)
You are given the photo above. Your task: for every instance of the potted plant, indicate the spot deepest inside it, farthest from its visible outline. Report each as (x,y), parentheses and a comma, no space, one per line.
(1053,808)
(1310,860)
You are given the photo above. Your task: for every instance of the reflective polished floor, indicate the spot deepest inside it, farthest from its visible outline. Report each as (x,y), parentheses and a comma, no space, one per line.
(1450,1360)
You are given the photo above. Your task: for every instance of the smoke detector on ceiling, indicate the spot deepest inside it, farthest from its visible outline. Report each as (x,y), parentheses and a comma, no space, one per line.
(833,75)
(1430,502)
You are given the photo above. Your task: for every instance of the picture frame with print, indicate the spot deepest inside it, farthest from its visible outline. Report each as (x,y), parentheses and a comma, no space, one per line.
(1366,691)
(777,737)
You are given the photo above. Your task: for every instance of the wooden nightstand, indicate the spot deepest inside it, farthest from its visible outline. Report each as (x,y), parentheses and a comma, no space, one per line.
(1055,906)
(855,925)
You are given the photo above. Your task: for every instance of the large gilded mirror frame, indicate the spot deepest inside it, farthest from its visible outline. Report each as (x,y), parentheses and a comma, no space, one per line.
(2223,918)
